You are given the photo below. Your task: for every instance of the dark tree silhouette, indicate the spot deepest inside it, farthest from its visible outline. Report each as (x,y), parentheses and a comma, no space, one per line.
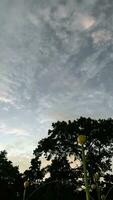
(61,143)
(10,179)
(34,173)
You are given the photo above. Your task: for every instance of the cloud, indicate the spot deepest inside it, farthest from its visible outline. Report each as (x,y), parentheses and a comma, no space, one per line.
(18,132)
(55,63)
(61,12)
(44,162)
(101,36)
(2,125)
(4,129)
(4,95)
(21,160)
(56,41)
(88,22)
(20,150)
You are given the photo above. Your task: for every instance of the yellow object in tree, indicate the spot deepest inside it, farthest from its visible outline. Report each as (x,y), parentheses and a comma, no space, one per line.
(81,139)
(96,177)
(93,186)
(26,184)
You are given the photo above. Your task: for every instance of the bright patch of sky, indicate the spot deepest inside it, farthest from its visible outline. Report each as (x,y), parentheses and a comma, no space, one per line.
(56,63)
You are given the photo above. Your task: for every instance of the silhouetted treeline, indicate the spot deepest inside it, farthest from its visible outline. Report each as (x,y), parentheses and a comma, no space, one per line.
(11,185)
(60,179)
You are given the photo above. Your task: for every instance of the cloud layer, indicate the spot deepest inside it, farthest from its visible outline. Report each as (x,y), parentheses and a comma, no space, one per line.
(55,63)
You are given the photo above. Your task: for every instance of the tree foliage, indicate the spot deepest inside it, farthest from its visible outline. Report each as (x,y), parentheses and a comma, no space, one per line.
(61,144)
(10,179)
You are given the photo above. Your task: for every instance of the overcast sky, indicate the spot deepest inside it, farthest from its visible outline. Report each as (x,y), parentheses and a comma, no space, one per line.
(56,63)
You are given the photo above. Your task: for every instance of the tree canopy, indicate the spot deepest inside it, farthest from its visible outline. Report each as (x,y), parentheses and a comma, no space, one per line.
(61,145)
(10,179)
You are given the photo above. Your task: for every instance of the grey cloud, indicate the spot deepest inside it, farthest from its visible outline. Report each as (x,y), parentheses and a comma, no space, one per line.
(55,61)
(103,6)
(57,47)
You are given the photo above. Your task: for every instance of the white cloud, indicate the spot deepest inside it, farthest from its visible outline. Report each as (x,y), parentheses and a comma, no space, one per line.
(44,162)
(87,22)
(21,160)
(2,147)
(18,132)
(101,36)
(2,125)
(4,129)
(6,100)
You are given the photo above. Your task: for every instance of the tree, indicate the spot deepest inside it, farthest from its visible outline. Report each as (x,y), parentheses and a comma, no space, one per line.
(34,173)
(61,143)
(10,179)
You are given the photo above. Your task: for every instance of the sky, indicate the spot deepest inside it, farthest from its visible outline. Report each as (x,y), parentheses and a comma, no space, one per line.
(56,63)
